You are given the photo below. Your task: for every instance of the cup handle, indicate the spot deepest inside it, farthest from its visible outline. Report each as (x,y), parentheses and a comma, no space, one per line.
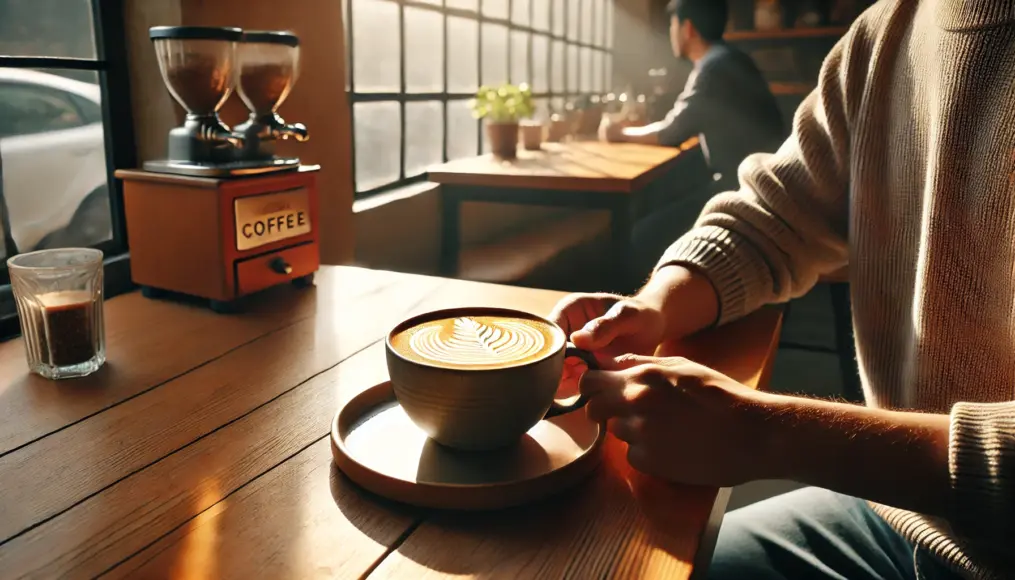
(559,408)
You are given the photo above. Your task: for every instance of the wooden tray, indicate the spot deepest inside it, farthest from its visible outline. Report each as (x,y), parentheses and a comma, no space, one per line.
(377,446)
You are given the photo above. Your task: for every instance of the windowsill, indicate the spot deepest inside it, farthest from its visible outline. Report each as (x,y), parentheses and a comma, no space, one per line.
(402,193)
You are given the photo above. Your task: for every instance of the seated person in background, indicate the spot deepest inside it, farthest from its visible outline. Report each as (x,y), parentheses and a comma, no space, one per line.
(725,97)
(726,100)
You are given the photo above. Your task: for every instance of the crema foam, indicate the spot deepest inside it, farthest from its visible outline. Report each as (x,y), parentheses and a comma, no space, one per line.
(477,342)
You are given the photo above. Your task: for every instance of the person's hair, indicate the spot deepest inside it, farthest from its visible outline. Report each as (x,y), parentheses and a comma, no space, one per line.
(709,16)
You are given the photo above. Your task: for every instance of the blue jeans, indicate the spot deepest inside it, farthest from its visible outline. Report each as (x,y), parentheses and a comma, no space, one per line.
(813,533)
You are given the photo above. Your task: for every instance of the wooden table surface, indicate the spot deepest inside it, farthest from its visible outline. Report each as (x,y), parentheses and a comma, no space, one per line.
(574,165)
(201,451)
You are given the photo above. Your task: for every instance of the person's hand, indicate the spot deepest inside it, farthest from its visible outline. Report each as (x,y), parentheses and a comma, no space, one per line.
(612,131)
(682,421)
(608,325)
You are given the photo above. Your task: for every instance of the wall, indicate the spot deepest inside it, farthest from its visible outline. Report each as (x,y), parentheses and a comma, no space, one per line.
(154,110)
(643,43)
(318,100)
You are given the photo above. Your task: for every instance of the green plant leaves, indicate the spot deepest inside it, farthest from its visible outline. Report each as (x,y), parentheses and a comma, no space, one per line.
(504,104)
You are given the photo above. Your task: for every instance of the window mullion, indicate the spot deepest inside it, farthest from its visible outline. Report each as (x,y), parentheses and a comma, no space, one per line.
(121,151)
(479,72)
(404,88)
(53,62)
(350,62)
(444,97)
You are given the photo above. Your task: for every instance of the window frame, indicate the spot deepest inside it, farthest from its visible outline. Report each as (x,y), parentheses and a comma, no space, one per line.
(110,64)
(444,97)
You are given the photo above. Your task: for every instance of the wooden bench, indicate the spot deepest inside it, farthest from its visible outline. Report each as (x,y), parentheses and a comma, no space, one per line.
(549,255)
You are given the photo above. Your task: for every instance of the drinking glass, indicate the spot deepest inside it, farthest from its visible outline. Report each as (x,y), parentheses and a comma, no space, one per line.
(59,299)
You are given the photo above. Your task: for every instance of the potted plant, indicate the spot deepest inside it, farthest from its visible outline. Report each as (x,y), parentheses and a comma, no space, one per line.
(502,107)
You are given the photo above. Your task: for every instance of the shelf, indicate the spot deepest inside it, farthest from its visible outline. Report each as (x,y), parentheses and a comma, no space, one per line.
(783,89)
(786,33)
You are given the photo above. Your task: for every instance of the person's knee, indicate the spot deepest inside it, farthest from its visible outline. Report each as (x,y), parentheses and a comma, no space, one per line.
(740,554)
(808,533)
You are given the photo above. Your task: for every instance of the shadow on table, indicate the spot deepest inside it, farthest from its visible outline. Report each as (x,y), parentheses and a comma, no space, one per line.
(349,503)
(441,465)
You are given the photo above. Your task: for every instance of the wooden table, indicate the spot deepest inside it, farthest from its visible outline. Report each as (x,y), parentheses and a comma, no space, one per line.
(201,451)
(580,174)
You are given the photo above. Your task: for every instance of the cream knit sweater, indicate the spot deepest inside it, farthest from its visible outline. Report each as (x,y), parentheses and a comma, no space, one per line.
(902,165)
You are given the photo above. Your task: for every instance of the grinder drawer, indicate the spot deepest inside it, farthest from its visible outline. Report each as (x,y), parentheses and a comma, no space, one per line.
(258,273)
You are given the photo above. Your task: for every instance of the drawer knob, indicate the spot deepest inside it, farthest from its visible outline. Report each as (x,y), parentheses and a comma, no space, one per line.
(280,266)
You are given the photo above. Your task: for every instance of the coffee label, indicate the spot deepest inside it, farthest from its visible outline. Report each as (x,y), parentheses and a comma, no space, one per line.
(263,219)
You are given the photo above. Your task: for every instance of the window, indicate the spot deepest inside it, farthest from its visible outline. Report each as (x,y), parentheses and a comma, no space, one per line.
(27,109)
(63,75)
(413,65)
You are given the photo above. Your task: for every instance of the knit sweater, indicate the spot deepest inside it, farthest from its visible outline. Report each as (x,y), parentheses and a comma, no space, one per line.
(902,165)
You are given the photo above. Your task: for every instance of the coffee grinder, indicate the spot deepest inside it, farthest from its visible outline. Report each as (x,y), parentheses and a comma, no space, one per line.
(201,66)
(223,216)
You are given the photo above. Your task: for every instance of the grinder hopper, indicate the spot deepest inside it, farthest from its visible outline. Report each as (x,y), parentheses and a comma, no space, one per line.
(268,68)
(197,65)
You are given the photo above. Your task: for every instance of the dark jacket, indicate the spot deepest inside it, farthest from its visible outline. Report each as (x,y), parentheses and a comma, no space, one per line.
(726,99)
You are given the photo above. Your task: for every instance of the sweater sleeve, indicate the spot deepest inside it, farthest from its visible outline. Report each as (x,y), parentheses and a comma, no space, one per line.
(982,467)
(787,225)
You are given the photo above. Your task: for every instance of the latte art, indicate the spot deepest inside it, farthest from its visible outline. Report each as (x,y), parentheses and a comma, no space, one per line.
(476,341)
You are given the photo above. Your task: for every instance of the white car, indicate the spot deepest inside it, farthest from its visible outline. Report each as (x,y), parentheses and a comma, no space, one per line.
(53,160)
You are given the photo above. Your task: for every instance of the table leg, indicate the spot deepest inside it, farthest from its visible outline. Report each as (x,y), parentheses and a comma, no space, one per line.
(450,232)
(620,247)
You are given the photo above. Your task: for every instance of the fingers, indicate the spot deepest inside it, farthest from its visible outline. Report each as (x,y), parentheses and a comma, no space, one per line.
(619,320)
(606,406)
(605,392)
(626,361)
(629,429)
(576,310)
(595,383)
(615,394)
(573,370)
(640,459)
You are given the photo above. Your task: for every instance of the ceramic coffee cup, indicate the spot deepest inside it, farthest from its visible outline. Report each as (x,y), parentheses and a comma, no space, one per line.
(478,378)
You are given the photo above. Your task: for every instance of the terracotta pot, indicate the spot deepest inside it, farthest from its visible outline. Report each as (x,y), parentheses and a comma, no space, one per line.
(532,135)
(503,138)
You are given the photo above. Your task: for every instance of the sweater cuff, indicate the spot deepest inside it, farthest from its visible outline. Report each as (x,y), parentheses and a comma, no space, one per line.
(981,462)
(740,276)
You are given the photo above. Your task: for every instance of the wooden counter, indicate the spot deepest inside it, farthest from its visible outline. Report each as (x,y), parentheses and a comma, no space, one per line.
(201,451)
